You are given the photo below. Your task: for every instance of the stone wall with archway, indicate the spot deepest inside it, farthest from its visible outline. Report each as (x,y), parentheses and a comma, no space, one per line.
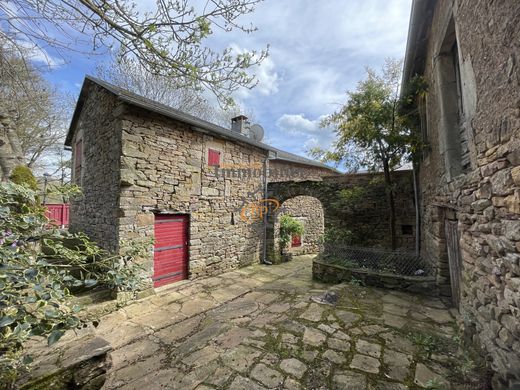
(368,219)
(309,211)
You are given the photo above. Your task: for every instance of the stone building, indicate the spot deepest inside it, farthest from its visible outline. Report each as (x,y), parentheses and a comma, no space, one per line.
(468,53)
(150,171)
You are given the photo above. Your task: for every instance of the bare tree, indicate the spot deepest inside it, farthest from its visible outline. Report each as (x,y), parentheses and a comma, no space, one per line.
(129,74)
(34,123)
(62,163)
(168,39)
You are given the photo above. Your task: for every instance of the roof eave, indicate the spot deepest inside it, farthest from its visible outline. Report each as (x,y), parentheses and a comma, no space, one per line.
(420,19)
(195,123)
(77,111)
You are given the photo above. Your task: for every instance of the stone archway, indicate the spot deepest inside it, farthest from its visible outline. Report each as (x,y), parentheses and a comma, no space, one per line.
(309,211)
(367,221)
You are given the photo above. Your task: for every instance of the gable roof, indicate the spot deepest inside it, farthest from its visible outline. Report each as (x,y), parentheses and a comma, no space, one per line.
(197,124)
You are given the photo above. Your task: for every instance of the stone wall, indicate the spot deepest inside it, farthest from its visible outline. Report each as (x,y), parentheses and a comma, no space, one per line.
(79,364)
(10,150)
(334,273)
(137,164)
(485,199)
(367,220)
(165,170)
(309,212)
(96,212)
(280,170)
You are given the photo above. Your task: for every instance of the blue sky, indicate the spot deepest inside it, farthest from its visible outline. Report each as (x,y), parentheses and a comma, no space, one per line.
(318,51)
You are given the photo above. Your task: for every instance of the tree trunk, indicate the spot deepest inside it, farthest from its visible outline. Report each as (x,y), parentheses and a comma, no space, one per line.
(391,202)
(10,150)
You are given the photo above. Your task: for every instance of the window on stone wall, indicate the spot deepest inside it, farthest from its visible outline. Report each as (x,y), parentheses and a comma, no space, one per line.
(453,137)
(213,158)
(407,230)
(78,161)
(464,150)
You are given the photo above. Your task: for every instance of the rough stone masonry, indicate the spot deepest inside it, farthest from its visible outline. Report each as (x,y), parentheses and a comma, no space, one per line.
(468,53)
(136,162)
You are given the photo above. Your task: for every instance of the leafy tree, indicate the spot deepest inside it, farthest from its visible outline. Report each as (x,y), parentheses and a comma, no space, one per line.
(372,125)
(39,267)
(289,227)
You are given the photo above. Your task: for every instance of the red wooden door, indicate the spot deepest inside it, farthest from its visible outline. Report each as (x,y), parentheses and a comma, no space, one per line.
(296,240)
(170,249)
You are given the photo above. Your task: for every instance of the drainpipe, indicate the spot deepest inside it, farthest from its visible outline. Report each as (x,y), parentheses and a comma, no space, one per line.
(264,252)
(417,217)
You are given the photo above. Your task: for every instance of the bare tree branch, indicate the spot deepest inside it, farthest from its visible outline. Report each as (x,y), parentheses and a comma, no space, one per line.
(167,40)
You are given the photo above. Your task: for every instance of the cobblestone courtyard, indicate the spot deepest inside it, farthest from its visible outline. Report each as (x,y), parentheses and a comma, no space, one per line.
(257,328)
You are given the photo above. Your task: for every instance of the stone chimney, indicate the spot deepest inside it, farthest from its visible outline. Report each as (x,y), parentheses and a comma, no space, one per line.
(240,124)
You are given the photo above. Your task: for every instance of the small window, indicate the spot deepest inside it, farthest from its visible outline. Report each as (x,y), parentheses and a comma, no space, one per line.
(296,240)
(78,161)
(407,230)
(213,158)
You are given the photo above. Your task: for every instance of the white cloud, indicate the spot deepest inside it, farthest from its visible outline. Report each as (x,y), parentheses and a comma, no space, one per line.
(267,78)
(297,124)
(265,74)
(35,53)
(307,133)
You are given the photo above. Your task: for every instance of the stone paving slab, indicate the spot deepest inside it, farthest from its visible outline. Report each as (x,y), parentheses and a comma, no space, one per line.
(256,328)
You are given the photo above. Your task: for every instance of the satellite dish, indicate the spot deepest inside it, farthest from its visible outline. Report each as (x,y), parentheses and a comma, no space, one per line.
(257,132)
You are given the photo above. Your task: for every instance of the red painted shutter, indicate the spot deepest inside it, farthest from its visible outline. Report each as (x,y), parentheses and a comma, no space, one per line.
(296,240)
(213,158)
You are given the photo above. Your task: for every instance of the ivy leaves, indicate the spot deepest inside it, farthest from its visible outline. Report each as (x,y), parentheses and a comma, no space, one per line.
(38,270)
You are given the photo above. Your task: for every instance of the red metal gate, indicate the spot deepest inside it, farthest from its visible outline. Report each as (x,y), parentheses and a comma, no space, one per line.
(58,214)
(170,249)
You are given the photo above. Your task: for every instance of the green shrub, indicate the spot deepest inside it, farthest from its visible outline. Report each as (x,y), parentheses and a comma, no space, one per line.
(23,176)
(348,200)
(337,235)
(289,227)
(35,283)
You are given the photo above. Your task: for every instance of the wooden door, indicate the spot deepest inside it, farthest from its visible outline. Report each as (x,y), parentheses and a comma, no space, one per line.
(452,241)
(170,249)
